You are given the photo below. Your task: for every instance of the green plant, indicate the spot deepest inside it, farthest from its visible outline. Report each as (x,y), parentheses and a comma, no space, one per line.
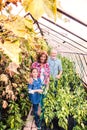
(24,102)
(70,99)
(14,120)
(77,127)
(79,106)
(13,94)
(2,126)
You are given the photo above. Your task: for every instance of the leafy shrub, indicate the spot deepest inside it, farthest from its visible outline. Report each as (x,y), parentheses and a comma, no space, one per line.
(70,99)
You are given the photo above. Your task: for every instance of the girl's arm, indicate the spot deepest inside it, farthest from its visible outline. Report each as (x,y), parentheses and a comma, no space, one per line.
(48,76)
(38,91)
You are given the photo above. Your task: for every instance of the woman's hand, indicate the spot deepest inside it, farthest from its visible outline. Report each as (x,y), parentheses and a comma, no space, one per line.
(30,80)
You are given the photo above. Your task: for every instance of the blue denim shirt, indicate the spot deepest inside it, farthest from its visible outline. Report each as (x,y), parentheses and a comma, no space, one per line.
(55,66)
(36,97)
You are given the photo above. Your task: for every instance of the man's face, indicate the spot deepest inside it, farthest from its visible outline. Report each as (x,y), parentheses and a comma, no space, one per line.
(53,54)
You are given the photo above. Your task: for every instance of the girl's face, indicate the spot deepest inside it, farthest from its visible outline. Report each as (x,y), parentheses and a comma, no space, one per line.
(43,58)
(34,73)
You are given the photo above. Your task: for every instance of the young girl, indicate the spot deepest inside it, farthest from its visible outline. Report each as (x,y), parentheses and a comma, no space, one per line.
(35,92)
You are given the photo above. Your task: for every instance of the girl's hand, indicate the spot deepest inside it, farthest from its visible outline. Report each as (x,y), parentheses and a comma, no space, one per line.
(38,90)
(31,91)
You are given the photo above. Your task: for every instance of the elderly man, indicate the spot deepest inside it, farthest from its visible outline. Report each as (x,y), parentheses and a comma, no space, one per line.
(55,66)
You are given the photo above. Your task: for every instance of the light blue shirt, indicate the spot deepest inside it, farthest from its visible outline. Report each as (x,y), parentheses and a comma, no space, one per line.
(55,66)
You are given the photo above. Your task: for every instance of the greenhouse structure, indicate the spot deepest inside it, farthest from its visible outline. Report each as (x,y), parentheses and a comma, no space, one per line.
(31,32)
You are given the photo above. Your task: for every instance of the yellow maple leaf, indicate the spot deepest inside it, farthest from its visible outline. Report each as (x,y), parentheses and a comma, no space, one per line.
(2,18)
(50,8)
(21,27)
(0,5)
(38,8)
(12,50)
(34,7)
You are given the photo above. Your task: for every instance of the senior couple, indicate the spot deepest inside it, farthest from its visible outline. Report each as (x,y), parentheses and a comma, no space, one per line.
(41,70)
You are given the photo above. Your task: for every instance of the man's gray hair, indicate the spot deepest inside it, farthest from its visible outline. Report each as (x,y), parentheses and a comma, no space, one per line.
(54,50)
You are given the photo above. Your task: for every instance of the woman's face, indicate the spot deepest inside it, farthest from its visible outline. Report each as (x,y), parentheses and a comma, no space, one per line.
(43,58)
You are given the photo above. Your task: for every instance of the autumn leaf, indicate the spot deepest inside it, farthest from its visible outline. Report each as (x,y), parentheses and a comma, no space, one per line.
(22,26)
(20,30)
(3,18)
(0,5)
(12,50)
(12,68)
(13,1)
(38,8)
(34,7)
(0,1)
(50,8)
(66,20)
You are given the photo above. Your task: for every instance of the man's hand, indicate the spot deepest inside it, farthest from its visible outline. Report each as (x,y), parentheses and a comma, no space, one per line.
(58,77)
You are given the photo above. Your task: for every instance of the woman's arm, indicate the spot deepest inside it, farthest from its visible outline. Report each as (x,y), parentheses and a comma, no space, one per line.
(48,76)
(34,65)
(30,81)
